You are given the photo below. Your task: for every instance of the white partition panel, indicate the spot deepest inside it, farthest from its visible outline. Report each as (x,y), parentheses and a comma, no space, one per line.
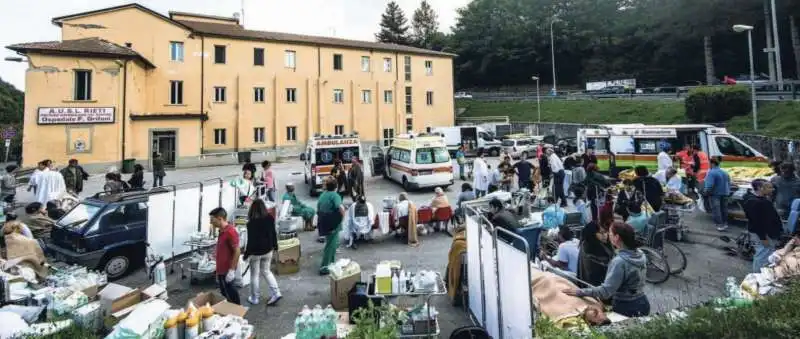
(229,198)
(515,291)
(474,269)
(211,194)
(489,284)
(187,208)
(159,223)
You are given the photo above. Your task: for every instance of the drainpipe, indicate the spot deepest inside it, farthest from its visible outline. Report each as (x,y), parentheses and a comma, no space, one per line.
(124,104)
(238,112)
(202,91)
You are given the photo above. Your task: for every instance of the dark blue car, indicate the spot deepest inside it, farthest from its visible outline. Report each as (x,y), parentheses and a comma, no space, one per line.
(105,232)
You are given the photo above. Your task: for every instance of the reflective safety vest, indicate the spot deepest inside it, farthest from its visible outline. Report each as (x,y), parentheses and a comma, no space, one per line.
(705,165)
(687,162)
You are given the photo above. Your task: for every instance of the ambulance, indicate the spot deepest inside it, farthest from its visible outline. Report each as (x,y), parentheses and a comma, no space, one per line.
(320,154)
(639,144)
(417,161)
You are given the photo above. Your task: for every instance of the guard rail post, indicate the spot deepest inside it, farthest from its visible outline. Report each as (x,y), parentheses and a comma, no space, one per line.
(794,91)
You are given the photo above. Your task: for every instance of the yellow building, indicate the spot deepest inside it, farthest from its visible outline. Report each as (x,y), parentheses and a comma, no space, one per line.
(125,82)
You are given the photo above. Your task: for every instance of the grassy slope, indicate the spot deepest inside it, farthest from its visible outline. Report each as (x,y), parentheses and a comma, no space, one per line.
(778,119)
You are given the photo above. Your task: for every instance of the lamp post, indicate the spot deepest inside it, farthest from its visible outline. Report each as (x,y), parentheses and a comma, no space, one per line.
(777,47)
(538,104)
(749,30)
(553,52)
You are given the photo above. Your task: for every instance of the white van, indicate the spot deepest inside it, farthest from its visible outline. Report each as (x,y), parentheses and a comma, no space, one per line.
(320,154)
(638,144)
(417,161)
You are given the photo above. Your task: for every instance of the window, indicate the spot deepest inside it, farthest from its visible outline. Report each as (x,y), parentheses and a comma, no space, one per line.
(176,92)
(291,59)
(435,155)
(388,135)
(338,96)
(409,125)
(219,54)
(401,155)
(338,63)
(338,130)
(429,98)
(408,100)
(258,94)
(387,65)
(219,94)
(219,136)
(731,146)
(258,135)
(326,156)
(83,85)
(408,67)
(428,67)
(365,64)
(388,97)
(291,133)
(258,57)
(176,51)
(646,146)
(366,96)
(601,145)
(291,95)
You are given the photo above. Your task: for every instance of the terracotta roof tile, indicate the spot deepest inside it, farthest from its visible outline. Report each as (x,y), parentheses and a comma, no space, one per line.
(89,46)
(237,32)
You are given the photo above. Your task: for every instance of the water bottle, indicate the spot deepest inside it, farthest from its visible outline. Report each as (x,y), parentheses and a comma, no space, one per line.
(730,287)
(317,322)
(331,318)
(301,323)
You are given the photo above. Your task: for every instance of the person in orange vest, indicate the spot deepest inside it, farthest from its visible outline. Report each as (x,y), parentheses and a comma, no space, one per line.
(690,163)
(701,163)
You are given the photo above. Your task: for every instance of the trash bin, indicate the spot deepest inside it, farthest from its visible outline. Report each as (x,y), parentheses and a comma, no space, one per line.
(244,157)
(127,165)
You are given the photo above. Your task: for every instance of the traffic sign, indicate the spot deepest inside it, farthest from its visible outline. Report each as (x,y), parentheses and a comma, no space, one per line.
(9,133)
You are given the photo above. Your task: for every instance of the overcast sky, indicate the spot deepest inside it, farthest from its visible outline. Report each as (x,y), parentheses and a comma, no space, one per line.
(29,20)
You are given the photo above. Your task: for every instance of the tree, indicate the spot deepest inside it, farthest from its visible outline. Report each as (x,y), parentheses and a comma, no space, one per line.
(394,26)
(12,102)
(425,26)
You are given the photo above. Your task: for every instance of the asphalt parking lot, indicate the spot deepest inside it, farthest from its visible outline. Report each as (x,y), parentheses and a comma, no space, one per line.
(703,279)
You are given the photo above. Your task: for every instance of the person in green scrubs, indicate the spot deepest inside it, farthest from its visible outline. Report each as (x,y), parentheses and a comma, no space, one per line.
(330,214)
(299,209)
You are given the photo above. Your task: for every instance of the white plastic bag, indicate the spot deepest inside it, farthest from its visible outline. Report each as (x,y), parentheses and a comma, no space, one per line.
(383,222)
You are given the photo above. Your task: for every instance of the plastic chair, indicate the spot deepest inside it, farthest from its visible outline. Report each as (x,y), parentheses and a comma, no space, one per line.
(442,217)
(424,215)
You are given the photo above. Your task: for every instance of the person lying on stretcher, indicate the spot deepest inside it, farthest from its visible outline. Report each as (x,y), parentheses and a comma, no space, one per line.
(550,300)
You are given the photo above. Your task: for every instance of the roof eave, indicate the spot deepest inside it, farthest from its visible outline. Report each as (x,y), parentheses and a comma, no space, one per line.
(25,51)
(58,21)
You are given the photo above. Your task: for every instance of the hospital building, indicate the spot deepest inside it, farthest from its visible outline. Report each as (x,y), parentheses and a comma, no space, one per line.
(126,82)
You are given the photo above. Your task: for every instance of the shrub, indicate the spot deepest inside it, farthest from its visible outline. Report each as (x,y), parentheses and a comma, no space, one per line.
(717,104)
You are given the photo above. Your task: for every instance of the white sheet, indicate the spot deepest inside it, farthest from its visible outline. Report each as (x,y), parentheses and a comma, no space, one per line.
(515,291)
(159,223)
(187,208)
(489,284)
(229,198)
(474,269)
(210,201)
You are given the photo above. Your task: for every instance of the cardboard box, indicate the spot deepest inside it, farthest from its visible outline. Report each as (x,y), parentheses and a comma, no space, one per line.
(219,304)
(340,289)
(288,260)
(116,305)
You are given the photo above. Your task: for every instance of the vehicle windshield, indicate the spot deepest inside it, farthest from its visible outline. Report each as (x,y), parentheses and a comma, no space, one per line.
(79,215)
(326,156)
(508,142)
(436,155)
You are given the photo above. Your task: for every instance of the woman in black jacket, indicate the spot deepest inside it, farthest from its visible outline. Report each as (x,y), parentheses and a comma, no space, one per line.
(649,187)
(137,178)
(262,243)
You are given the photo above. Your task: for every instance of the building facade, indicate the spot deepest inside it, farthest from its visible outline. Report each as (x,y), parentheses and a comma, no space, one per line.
(127,82)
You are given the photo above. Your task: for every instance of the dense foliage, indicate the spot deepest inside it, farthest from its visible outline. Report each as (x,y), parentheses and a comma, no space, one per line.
(657,42)
(12,102)
(717,104)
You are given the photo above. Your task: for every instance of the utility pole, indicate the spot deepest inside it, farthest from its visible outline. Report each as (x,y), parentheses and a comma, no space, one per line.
(769,50)
(776,38)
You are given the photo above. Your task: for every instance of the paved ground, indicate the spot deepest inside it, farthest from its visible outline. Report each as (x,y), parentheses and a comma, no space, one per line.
(702,280)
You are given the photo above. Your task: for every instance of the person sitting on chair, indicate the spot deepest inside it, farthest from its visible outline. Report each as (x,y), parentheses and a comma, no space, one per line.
(501,217)
(566,259)
(359,220)
(637,219)
(406,213)
(554,215)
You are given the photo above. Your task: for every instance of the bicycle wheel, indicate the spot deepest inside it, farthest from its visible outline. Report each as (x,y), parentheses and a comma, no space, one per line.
(657,269)
(674,256)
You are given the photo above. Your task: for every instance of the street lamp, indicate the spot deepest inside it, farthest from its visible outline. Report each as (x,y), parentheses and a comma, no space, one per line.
(538,104)
(749,30)
(553,52)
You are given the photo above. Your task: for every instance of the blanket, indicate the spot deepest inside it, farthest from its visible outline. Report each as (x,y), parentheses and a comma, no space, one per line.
(458,247)
(27,251)
(548,298)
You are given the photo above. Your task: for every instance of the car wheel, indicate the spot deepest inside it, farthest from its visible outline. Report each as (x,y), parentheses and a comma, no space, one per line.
(406,185)
(116,265)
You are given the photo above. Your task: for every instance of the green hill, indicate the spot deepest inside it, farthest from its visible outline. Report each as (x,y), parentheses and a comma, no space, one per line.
(12,102)
(777,119)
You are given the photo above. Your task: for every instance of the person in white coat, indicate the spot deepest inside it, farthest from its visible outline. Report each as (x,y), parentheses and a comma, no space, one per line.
(481,177)
(49,184)
(664,159)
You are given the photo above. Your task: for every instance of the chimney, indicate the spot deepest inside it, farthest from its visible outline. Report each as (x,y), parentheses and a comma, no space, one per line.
(128,44)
